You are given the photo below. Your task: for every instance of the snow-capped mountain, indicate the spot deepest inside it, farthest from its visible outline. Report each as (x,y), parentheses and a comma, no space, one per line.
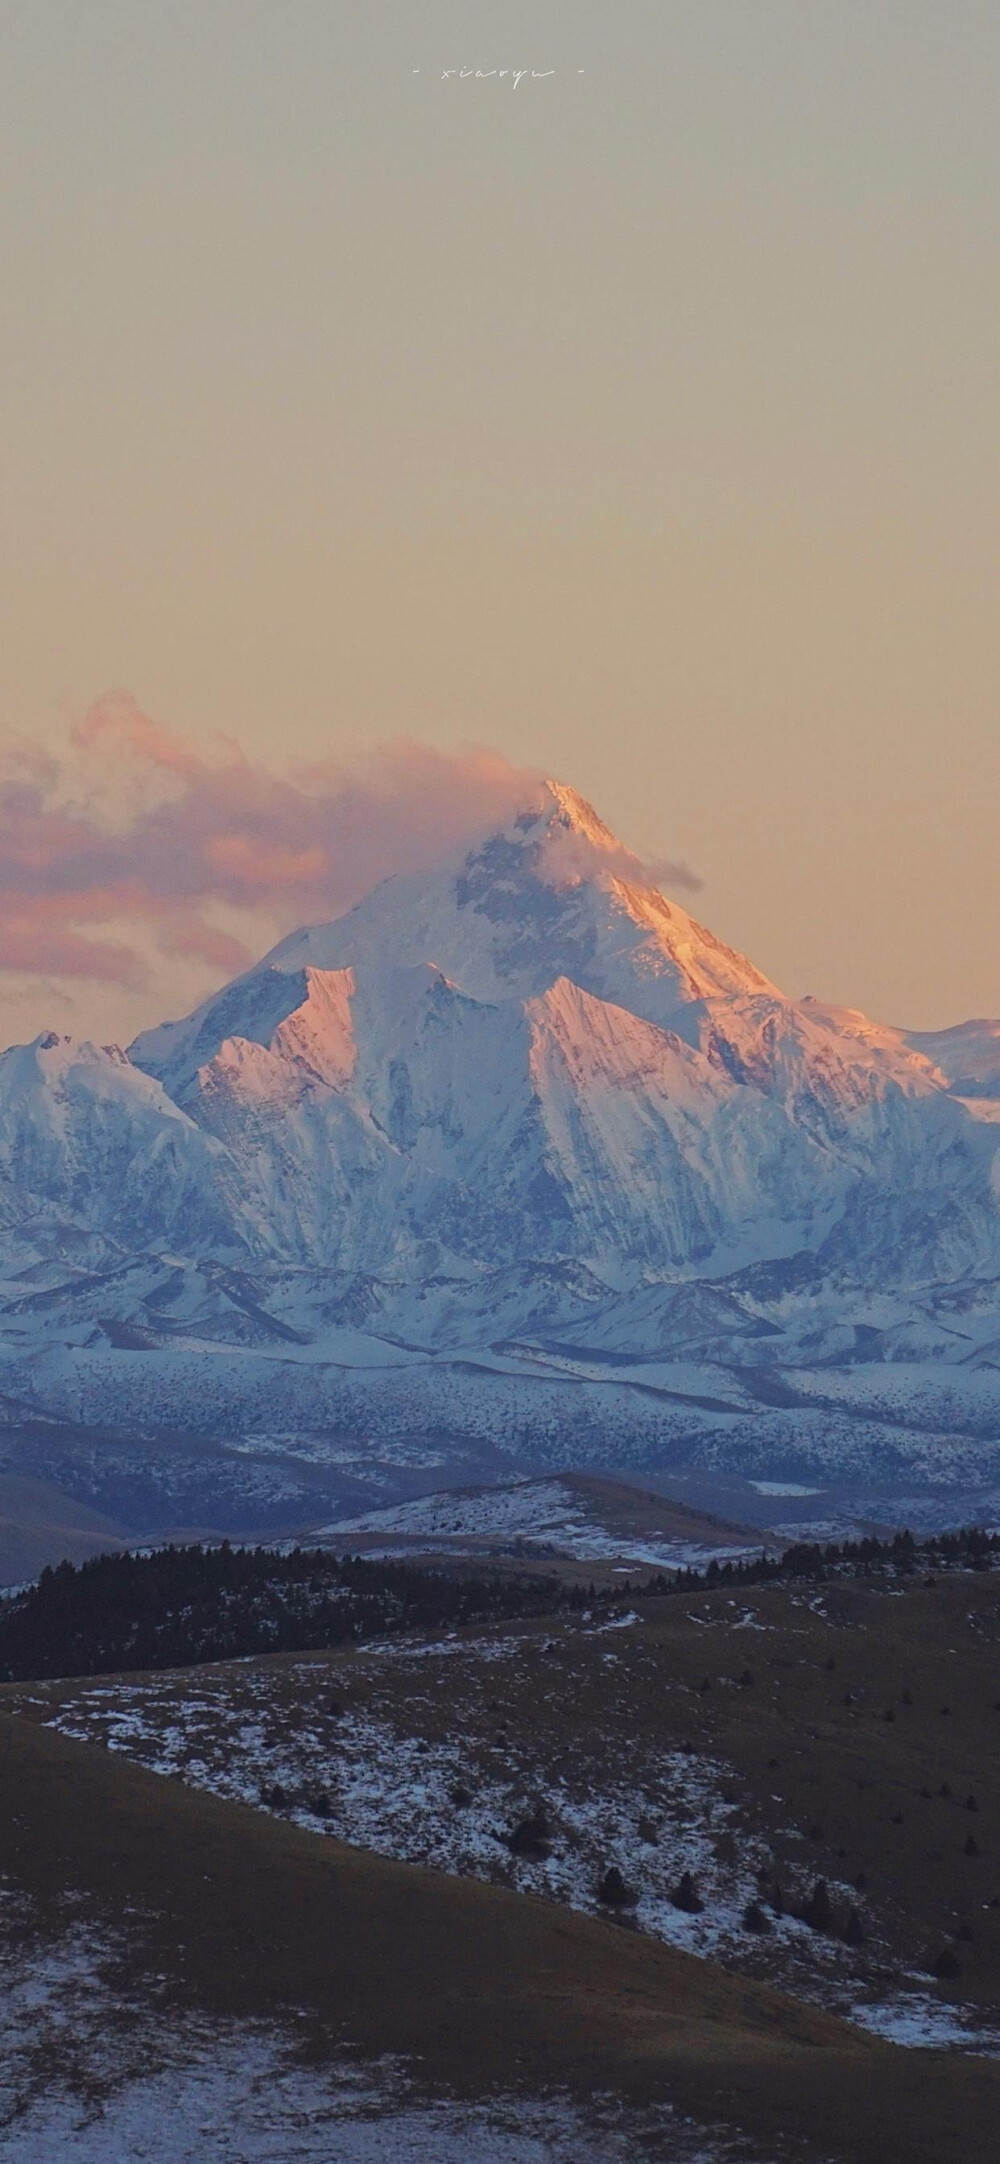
(89,1145)
(552,895)
(508,1116)
(530,1052)
(968,1056)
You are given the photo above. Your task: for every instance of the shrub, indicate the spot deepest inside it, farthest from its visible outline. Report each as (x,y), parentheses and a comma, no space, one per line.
(756,1919)
(530,1836)
(854,1930)
(817,1911)
(613,1890)
(685,1895)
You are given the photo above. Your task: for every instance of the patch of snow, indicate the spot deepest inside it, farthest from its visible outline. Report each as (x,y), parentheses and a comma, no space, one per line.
(921,2022)
(782,1487)
(79,2083)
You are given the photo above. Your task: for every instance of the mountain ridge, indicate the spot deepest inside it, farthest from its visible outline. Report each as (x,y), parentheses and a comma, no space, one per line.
(524,1061)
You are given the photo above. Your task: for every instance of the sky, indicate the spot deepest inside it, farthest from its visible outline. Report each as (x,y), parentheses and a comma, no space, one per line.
(379,430)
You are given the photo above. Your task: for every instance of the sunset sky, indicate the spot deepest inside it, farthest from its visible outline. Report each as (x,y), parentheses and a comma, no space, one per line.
(636,422)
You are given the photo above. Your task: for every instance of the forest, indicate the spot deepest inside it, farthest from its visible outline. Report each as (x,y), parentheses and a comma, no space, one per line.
(174,1607)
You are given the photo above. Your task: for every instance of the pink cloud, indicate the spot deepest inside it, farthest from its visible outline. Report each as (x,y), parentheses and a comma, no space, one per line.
(33,941)
(135,827)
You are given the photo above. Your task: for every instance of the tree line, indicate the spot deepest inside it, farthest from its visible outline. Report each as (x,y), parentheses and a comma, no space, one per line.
(176,1606)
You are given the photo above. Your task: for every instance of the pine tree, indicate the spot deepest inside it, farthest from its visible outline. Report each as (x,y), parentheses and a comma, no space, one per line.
(686,1897)
(818,1912)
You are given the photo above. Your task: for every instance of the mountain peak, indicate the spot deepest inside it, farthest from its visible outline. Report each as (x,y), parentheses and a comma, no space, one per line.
(551,894)
(563,809)
(563,840)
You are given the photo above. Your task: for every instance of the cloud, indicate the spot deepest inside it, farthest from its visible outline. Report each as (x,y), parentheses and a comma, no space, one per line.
(35,938)
(136,837)
(576,856)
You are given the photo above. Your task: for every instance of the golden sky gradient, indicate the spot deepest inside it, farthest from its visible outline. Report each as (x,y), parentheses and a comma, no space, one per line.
(641,420)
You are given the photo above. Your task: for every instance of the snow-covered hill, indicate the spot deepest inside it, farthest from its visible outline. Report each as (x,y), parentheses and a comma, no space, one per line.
(568,1515)
(512,1138)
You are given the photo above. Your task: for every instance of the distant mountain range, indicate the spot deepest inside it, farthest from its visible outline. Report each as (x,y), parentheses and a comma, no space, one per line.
(514,1157)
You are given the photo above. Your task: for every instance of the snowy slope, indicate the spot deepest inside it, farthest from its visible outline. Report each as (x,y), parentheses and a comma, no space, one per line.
(400,1114)
(88,1140)
(570,1513)
(968,1055)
